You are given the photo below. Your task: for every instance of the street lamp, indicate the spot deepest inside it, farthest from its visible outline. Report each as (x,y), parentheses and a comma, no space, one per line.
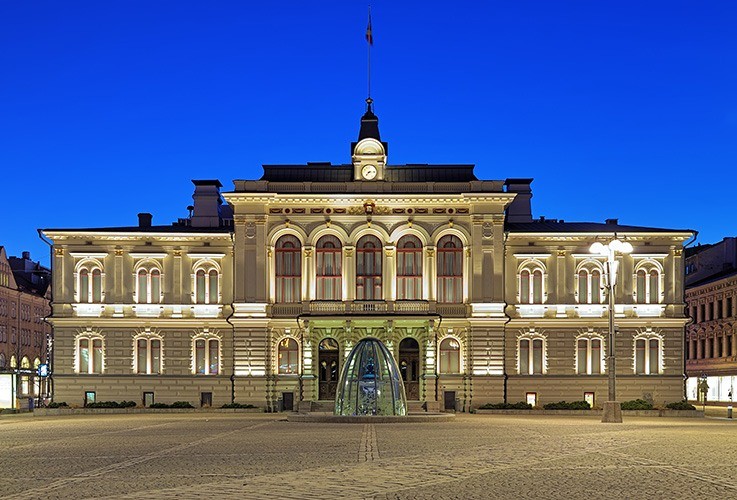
(612,408)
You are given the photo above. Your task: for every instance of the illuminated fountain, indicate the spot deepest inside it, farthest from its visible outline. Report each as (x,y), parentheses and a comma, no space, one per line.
(370,383)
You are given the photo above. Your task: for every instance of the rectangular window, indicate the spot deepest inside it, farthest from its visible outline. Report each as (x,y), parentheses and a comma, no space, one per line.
(524,356)
(142,356)
(654,356)
(640,356)
(537,356)
(148,399)
(596,356)
(200,356)
(89,397)
(84,356)
(155,356)
(97,355)
(728,312)
(214,357)
(590,398)
(582,356)
(531,398)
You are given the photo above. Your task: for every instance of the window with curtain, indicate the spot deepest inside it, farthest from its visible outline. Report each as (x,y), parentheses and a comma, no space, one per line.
(288,357)
(148,287)
(207,286)
(89,285)
(409,268)
(148,355)
(589,286)
(531,355)
(329,268)
(647,356)
(450,270)
(647,286)
(450,356)
(369,257)
(588,356)
(531,286)
(288,264)
(206,356)
(89,355)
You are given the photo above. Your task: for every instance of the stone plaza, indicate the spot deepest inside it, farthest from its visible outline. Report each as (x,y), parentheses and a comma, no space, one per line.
(236,455)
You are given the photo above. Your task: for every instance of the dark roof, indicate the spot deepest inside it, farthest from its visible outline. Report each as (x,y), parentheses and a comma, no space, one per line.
(556,226)
(326,172)
(712,278)
(178,228)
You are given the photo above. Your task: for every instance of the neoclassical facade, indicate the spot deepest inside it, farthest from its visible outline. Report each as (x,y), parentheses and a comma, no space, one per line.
(258,298)
(711,297)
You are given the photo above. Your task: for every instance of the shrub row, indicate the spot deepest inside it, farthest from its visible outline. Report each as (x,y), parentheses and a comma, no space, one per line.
(563,405)
(238,405)
(680,405)
(506,406)
(175,404)
(637,404)
(111,404)
(54,404)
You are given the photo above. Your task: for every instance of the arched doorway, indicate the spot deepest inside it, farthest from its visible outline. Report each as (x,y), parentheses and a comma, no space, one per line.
(328,368)
(409,366)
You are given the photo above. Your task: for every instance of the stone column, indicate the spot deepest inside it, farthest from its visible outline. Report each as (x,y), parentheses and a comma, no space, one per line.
(389,273)
(308,274)
(431,272)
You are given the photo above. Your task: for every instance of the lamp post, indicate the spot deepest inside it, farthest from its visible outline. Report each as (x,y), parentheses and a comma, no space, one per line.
(612,408)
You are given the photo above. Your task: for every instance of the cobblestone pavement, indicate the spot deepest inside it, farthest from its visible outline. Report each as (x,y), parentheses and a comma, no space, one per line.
(216,455)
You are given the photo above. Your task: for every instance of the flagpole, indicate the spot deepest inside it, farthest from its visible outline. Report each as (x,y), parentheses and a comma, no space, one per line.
(370,40)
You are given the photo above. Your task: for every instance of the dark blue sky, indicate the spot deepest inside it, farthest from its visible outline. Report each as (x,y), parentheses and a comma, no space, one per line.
(621,109)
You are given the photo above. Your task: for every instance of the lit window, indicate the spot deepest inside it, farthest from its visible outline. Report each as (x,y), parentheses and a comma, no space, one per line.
(148,286)
(647,355)
(90,352)
(531,285)
(288,269)
(409,268)
(206,284)
(531,355)
(647,285)
(450,270)
(206,356)
(288,357)
(450,356)
(25,363)
(588,356)
(368,268)
(589,286)
(89,283)
(148,355)
(329,268)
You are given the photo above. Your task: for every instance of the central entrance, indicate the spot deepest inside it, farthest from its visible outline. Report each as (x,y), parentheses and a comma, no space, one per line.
(409,367)
(329,363)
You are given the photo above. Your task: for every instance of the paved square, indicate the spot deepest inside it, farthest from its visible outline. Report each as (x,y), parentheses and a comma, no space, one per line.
(212,455)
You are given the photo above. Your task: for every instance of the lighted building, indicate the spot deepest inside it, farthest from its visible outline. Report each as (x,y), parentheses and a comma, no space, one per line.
(260,299)
(24,303)
(711,296)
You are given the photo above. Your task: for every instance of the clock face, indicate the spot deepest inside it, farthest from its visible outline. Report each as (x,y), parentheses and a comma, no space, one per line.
(368,172)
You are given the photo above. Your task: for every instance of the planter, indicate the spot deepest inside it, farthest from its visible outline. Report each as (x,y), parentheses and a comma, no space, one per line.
(595,413)
(44,412)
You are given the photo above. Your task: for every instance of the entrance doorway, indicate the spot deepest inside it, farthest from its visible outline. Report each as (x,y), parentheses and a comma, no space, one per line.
(409,366)
(449,401)
(328,366)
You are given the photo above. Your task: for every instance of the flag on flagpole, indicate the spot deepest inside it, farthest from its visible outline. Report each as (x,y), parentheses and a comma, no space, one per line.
(369,34)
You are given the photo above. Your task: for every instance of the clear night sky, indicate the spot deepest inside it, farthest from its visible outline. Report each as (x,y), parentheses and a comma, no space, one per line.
(621,109)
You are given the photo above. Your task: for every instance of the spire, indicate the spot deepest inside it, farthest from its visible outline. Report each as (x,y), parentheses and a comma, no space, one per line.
(369,123)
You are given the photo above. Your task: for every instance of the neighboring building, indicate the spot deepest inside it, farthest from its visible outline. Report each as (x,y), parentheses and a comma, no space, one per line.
(261,299)
(711,296)
(24,303)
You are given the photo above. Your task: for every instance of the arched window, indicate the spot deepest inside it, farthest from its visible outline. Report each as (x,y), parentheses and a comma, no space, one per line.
(36,363)
(329,268)
(589,285)
(148,355)
(206,355)
(409,268)
(288,269)
(148,286)
(368,268)
(450,270)
(589,356)
(89,283)
(648,284)
(13,361)
(2,360)
(647,355)
(531,286)
(206,284)
(90,352)
(450,356)
(531,355)
(288,356)
(25,362)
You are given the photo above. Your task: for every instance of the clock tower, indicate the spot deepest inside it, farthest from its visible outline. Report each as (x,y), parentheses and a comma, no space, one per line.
(369,153)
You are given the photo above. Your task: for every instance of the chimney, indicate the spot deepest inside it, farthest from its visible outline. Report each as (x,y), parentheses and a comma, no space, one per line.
(612,222)
(144,219)
(26,255)
(520,210)
(207,203)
